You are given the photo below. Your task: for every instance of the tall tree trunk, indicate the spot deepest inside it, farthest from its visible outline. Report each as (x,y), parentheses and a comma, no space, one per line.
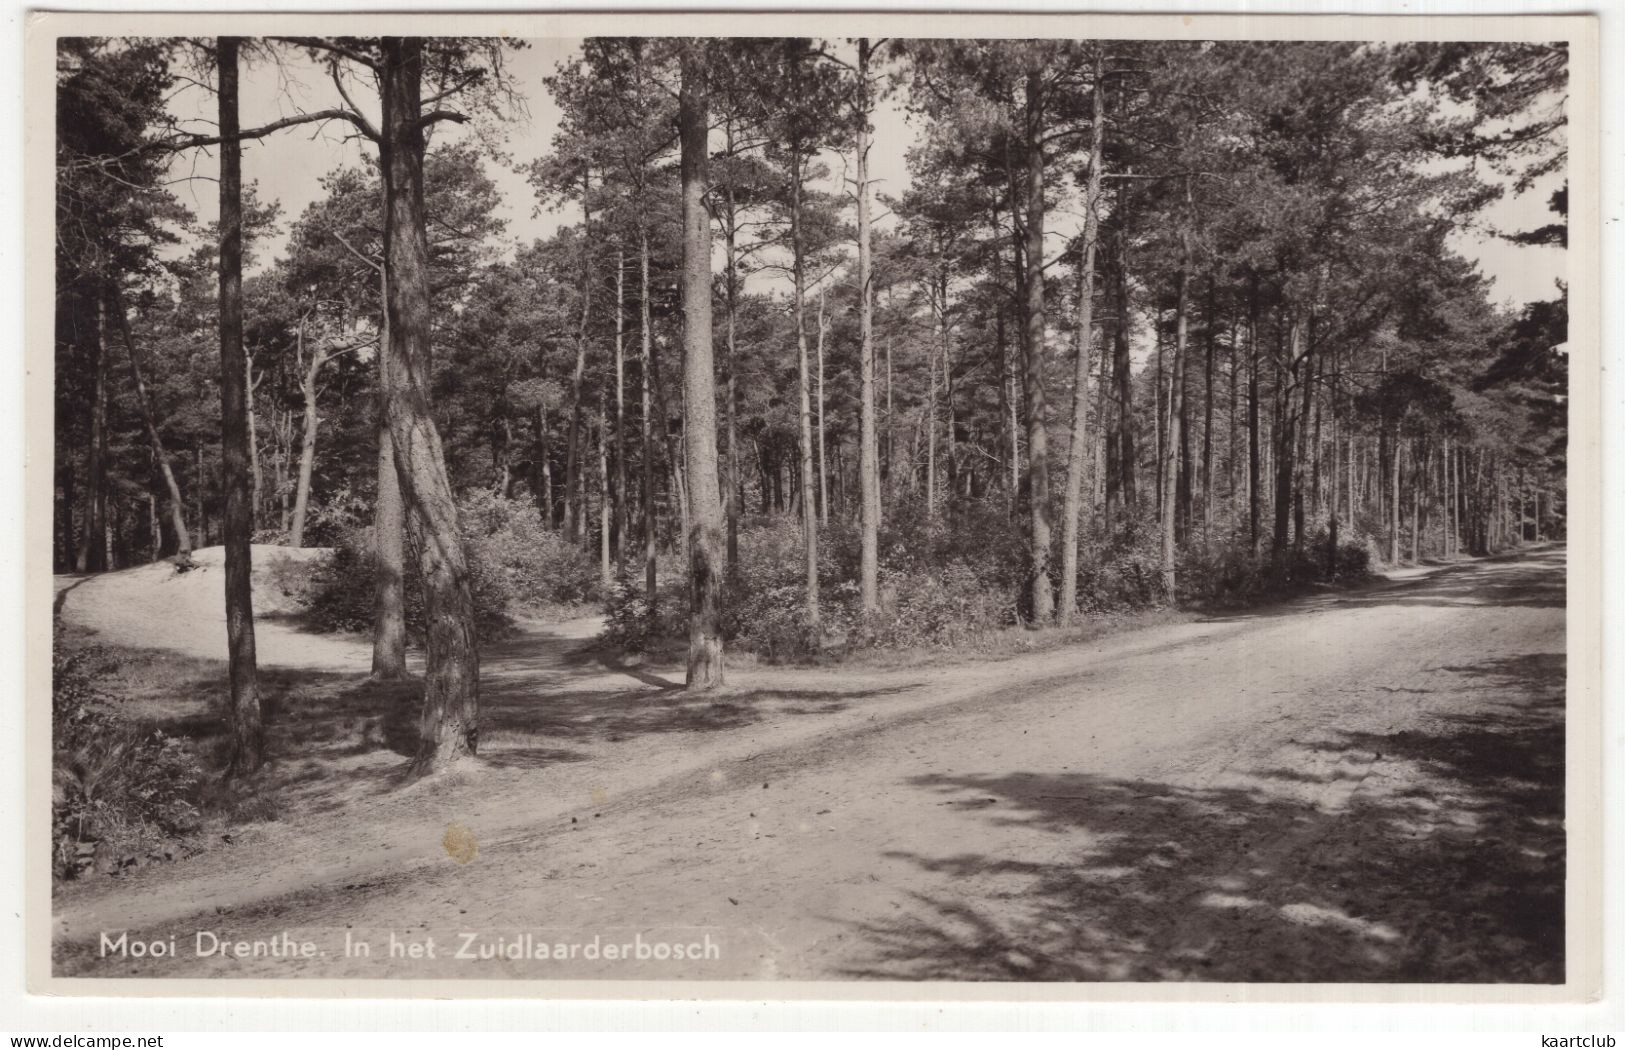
(159,456)
(202,538)
(155,532)
(575,513)
(307,445)
(1043,600)
(1254,510)
(868,451)
(1176,394)
(809,516)
(736,489)
(92,554)
(1232,457)
(251,386)
(1449,502)
(389,565)
(1393,499)
(388,531)
(647,353)
(1102,431)
(620,415)
(1159,406)
(1417,474)
(247,749)
(1207,415)
(1284,430)
(930,423)
(1077,454)
(606,511)
(823,468)
(1302,446)
(1184,485)
(449,726)
(1336,487)
(544,467)
(1123,364)
(888,458)
(705,545)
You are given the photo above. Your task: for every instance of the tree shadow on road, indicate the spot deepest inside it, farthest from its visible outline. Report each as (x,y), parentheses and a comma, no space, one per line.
(1527,580)
(1442,862)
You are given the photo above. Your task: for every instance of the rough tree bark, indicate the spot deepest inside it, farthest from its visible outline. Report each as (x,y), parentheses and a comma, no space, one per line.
(868,449)
(1176,394)
(705,546)
(1043,601)
(809,509)
(247,748)
(388,531)
(449,726)
(1078,453)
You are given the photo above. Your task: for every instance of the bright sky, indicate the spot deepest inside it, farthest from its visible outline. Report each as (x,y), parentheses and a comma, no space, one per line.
(288,165)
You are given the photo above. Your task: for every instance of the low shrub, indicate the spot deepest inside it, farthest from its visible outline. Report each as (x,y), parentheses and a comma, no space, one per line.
(1232,575)
(514,563)
(121,792)
(1120,566)
(949,607)
(949,579)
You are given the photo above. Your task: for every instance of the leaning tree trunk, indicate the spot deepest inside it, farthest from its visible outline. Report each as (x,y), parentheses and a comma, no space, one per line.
(705,545)
(176,507)
(449,726)
(1078,454)
(1043,600)
(247,750)
(388,535)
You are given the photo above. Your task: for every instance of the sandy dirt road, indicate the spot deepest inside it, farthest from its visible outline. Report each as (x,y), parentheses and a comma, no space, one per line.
(1358,787)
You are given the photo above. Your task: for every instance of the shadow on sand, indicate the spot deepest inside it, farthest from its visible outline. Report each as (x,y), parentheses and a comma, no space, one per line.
(1448,868)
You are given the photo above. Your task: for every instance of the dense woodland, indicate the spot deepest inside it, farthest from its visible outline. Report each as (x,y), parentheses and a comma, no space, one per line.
(1151,323)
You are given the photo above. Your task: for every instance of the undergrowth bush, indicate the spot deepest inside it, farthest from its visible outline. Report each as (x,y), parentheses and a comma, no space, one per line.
(514,562)
(948,580)
(121,792)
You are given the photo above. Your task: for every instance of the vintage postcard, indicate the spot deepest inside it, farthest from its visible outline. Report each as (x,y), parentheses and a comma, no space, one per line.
(854,506)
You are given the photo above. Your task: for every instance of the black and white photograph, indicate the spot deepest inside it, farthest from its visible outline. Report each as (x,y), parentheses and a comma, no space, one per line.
(975,501)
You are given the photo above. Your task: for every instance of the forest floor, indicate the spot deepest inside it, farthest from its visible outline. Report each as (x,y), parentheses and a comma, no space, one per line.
(1357,786)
